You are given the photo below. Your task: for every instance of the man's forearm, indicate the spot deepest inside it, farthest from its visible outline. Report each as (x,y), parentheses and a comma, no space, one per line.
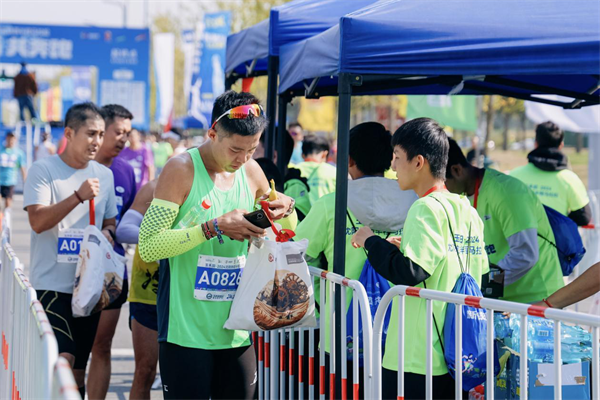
(47,217)
(581,288)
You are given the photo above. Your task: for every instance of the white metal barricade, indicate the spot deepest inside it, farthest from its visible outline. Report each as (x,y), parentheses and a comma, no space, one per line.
(283,376)
(29,367)
(63,383)
(490,305)
(8,265)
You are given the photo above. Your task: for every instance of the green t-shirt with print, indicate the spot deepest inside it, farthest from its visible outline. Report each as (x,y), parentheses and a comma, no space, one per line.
(560,190)
(427,241)
(321,179)
(507,206)
(318,228)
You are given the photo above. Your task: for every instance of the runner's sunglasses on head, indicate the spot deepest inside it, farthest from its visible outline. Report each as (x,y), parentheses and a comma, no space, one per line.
(241,112)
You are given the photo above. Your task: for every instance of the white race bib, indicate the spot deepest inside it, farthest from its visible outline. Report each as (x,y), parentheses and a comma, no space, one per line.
(217,278)
(69,244)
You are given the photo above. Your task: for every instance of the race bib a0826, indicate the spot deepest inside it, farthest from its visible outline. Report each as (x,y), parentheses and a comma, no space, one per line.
(217,278)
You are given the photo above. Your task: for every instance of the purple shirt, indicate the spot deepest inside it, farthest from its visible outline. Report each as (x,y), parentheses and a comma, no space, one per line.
(140,160)
(125,190)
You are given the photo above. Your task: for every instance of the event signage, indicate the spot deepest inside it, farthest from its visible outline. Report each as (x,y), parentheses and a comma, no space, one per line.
(208,70)
(120,55)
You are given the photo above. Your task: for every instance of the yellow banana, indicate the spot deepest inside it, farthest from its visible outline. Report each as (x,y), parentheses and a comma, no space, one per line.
(273,194)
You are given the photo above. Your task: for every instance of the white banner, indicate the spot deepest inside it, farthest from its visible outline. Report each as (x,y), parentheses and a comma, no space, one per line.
(584,120)
(164,64)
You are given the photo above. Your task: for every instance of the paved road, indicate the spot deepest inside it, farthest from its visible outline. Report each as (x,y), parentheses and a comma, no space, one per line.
(122,356)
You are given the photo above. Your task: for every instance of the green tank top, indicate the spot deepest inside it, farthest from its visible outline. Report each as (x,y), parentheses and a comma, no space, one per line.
(199,323)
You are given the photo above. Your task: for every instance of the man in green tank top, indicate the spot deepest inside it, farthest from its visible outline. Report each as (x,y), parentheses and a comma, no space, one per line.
(196,225)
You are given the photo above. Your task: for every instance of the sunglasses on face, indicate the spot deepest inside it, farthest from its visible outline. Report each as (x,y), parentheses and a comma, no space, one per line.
(241,112)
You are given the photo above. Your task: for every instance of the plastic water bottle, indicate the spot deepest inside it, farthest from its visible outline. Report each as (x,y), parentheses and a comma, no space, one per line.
(196,216)
(575,334)
(515,328)
(540,346)
(501,326)
(576,344)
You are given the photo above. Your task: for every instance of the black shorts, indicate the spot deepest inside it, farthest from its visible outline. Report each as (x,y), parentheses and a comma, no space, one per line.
(7,192)
(122,299)
(188,373)
(145,314)
(74,335)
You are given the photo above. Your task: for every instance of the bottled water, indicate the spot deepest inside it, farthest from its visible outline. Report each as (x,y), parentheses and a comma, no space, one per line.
(540,346)
(501,326)
(196,216)
(575,341)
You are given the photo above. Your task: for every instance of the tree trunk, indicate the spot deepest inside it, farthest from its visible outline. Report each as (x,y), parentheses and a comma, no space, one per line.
(523,127)
(579,142)
(505,132)
(489,118)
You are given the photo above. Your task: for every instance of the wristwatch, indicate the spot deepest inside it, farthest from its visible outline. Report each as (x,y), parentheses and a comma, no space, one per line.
(291,209)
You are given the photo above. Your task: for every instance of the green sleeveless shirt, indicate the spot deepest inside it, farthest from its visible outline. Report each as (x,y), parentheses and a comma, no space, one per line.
(199,323)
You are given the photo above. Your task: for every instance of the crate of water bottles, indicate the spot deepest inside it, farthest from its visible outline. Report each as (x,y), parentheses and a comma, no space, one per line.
(576,354)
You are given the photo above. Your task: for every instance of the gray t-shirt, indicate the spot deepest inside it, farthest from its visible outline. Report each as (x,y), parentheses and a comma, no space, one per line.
(51,181)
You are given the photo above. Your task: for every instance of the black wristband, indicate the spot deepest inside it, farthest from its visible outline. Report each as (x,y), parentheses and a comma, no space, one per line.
(78,198)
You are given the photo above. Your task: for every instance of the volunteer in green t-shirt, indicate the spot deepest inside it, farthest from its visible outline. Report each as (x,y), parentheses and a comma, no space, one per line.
(548,176)
(427,256)
(319,174)
(515,222)
(216,184)
(373,201)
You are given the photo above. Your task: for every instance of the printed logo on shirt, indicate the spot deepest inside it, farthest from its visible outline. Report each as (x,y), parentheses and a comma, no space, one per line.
(120,189)
(490,249)
(465,245)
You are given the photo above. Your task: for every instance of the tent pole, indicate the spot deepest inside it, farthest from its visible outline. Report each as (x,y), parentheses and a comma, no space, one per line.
(281,132)
(271,106)
(341,203)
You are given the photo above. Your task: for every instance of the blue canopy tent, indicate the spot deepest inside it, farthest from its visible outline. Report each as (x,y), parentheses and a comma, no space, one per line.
(513,48)
(248,54)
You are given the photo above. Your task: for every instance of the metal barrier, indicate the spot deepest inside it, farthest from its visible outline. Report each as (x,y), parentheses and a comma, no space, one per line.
(277,349)
(63,383)
(30,368)
(490,305)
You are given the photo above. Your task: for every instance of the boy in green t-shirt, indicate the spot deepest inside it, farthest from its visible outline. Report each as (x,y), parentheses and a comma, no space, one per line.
(548,176)
(320,175)
(517,233)
(373,201)
(427,256)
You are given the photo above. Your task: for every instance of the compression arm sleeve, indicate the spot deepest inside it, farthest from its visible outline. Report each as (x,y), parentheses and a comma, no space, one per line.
(158,241)
(390,263)
(128,230)
(522,255)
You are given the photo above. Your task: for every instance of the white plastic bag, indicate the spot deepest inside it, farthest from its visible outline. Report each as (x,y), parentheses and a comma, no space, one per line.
(276,289)
(99,274)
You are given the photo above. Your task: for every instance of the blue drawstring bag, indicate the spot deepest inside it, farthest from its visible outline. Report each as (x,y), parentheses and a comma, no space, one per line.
(474,329)
(375,286)
(566,240)
(474,326)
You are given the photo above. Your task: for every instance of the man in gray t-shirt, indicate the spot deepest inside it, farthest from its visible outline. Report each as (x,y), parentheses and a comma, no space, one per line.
(56,198)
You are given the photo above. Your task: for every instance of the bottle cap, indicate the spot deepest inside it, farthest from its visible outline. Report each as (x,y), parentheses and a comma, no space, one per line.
(206,204)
